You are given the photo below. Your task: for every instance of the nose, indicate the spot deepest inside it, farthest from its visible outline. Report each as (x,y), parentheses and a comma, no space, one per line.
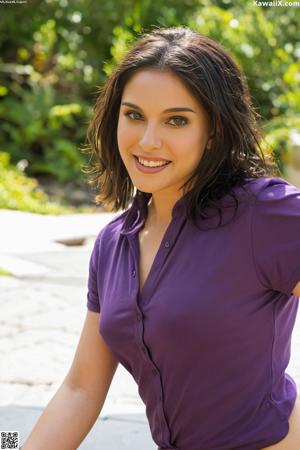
(150,139)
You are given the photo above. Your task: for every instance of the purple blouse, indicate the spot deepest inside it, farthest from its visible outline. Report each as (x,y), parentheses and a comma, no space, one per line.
(208,338)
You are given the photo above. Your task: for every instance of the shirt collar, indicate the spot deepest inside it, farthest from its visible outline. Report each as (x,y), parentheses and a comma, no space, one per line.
(137,212)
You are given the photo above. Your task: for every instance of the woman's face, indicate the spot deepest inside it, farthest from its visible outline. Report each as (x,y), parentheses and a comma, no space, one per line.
(148,133)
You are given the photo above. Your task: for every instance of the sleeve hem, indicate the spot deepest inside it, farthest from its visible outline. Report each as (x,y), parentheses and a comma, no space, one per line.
(92,307)
(292,282)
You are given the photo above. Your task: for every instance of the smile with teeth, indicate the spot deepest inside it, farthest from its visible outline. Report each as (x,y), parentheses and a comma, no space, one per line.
(152,163)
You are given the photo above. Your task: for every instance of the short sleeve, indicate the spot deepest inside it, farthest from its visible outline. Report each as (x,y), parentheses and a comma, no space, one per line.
(93,302)
(276,236)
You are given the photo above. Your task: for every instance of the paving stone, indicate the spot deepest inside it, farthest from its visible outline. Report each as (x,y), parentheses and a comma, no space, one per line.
(110,432)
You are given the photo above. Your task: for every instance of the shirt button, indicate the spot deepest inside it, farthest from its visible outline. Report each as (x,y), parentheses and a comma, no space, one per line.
(133,273)
(139,316)
(154,371)
(144,350)
(167,244)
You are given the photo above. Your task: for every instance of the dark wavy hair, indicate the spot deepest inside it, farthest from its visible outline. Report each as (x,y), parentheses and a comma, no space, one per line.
(208,71)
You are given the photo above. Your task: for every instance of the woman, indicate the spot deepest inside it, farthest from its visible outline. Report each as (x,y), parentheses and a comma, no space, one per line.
(194,286)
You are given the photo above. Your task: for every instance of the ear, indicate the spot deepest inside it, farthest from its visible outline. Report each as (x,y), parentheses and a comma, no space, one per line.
(211,138)
(209,142)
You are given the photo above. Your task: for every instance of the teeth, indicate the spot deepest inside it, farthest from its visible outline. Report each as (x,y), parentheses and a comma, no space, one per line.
(152,163)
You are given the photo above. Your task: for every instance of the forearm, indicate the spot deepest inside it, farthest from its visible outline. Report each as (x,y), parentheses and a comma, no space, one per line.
(65,421)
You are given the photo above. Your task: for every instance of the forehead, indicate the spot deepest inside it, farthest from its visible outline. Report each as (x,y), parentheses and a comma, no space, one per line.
(158,86)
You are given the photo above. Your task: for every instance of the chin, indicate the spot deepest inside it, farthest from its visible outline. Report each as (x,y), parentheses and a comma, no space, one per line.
(143,188)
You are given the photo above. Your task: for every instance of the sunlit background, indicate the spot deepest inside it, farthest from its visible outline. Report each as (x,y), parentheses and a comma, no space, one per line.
(55,53)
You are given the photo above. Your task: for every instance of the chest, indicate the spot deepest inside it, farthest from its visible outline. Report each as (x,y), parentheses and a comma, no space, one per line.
(184,291)
(149,241)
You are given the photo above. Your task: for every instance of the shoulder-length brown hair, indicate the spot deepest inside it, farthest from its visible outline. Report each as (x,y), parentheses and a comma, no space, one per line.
(210,74)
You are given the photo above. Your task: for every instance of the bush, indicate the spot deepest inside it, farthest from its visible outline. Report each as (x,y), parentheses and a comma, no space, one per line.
(22,193)
(54,54)
(279,136)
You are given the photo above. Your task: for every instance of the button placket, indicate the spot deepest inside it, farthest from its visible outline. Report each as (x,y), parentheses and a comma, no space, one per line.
(158,388)
(133,271)
(145,359)
(138,314)
(162,255)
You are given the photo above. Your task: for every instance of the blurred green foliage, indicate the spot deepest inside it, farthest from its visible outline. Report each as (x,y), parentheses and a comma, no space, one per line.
(4,273)
(55,53)
(23,193)
(266,45)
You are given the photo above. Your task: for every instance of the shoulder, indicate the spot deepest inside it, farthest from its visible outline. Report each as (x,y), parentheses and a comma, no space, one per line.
(272,189)
(275,225)
(265,197)
(277,208)
(111,230)
(251,189)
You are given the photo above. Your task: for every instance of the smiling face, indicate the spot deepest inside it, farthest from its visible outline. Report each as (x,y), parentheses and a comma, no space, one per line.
(149,136)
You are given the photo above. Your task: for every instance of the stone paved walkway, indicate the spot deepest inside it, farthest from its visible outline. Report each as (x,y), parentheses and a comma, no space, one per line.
(43,308)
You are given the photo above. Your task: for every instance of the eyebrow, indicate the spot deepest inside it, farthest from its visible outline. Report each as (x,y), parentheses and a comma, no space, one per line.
(175,109)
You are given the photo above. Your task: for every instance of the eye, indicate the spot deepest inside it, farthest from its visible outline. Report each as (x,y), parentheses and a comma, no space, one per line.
(128,114)
(181,121)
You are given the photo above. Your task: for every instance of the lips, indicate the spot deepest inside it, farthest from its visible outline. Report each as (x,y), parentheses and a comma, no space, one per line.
(150,169)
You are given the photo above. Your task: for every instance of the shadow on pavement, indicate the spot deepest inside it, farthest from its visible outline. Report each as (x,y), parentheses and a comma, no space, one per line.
(110,432)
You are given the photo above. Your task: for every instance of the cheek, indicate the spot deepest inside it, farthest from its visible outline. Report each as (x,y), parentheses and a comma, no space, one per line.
(126,136)
(189,148)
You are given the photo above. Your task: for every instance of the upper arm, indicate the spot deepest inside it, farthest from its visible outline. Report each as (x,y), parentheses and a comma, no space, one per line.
(296,290)
(276,236)
(94,365)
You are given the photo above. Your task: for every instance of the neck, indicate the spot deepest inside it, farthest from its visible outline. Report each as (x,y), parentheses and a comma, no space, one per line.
(160,208)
